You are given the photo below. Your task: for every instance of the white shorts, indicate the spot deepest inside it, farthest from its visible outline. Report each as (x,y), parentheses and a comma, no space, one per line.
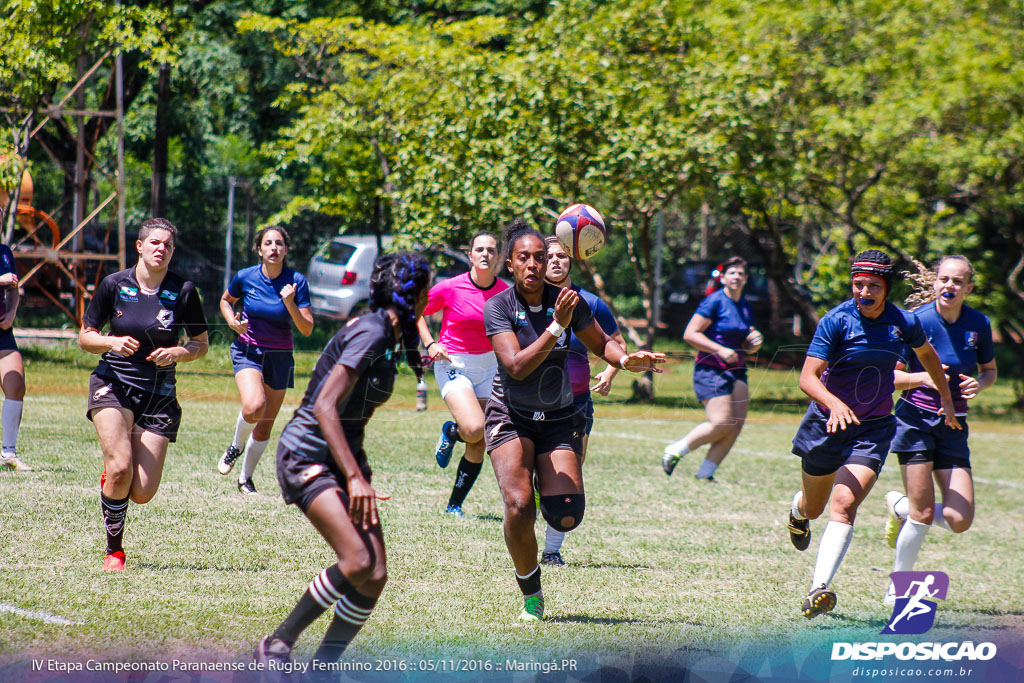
(473,371)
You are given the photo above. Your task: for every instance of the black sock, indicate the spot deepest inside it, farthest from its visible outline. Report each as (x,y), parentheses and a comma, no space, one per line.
(465,477)
(350,613)
(453,432)
(530,585)
(113,520)
(328,587)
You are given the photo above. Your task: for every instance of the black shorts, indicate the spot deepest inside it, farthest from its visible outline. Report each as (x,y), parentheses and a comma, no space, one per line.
(303,478)
(7,341)
(551,430)
(865,444)
(154,413)
(922,436)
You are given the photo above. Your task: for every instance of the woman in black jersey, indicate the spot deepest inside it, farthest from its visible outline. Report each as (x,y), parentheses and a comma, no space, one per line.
(132,400)
(323,469)
(531,427)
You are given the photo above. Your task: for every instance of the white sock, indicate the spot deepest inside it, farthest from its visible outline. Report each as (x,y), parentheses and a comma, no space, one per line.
(908,544)
(11,421)
(678,447)
(242,431)
(835,541)
(253,452)
(706,469)
(939,520)
(553,540)
(795,507)
(902,508)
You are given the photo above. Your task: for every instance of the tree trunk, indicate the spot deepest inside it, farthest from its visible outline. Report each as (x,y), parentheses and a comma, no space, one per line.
(161,137)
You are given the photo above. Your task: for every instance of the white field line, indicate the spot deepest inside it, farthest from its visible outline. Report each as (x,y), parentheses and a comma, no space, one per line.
(38,615)
(1000,482)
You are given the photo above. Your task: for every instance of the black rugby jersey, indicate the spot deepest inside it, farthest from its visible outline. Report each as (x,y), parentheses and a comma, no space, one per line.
(368,347)
(548,386)
(155,320)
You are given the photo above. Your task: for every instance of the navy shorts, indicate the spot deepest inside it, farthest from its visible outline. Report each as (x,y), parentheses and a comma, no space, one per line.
(552,430)
(709,382)
(585,405)
(823,453)
(922,436)
(302,478)
(7,341)
(276,365)
(154,413)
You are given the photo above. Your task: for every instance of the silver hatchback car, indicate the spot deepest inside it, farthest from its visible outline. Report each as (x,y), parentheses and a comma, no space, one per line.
(339,274)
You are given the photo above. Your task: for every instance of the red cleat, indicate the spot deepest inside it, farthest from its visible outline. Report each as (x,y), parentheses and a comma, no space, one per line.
(114,562)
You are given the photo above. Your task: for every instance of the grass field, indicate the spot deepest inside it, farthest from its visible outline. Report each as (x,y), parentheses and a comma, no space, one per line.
(663,566)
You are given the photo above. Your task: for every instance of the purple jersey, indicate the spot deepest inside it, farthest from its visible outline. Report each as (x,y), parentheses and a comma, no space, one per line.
(731,322)
(270,323)
(7,265)
(862,354)
(579,361)
(961,345)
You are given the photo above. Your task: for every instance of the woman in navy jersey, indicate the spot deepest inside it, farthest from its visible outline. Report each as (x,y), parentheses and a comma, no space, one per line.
(721,330)
(132,396)
(274,297)
(530,423)
(323,469)
(927,449)
(845,435)
(12,367)
(557,273)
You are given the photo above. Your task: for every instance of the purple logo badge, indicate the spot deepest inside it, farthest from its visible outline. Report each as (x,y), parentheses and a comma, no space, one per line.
(916,593)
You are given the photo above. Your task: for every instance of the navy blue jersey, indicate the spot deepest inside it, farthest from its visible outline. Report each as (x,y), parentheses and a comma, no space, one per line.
(731,322)
(579,360)
(7,265)
(548,386)
(367,346)
(862,354)
(155,320)
(961,345)
(270,323)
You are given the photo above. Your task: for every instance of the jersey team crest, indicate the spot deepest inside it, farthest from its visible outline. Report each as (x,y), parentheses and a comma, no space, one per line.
(895,334)
(916,593)
(970,340)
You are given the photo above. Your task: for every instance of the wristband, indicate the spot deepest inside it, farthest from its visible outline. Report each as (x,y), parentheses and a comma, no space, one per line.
(427,348)
(555,329)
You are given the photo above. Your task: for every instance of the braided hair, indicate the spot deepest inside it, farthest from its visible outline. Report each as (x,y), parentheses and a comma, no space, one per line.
(873,262)
(398,280)
(923,281)
(515,231)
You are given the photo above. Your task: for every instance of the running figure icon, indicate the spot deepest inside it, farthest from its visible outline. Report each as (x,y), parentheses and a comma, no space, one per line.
(916,602)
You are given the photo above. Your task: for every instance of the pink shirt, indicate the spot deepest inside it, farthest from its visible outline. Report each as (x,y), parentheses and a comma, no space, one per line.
(462,322)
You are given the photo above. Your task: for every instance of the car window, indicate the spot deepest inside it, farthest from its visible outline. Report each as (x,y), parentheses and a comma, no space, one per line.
(335,252)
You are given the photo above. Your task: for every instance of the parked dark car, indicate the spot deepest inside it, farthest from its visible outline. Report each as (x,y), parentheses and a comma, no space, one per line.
(693,280)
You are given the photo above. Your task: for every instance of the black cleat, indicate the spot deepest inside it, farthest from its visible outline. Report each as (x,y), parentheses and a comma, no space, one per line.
(799,532)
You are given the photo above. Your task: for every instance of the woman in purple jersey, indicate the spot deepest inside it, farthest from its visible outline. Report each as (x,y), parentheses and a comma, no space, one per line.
(12,367)
(274,297)
(323,469)
(927,449)
(844,437)
(132,392)
(721,330)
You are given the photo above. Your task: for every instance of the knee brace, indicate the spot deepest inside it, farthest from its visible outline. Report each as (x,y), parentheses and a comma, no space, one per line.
(557,508)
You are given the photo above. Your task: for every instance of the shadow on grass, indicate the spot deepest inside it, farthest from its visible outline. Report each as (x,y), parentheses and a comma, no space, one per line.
(608,621)
(490,517)
(597,565)
(194,567)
